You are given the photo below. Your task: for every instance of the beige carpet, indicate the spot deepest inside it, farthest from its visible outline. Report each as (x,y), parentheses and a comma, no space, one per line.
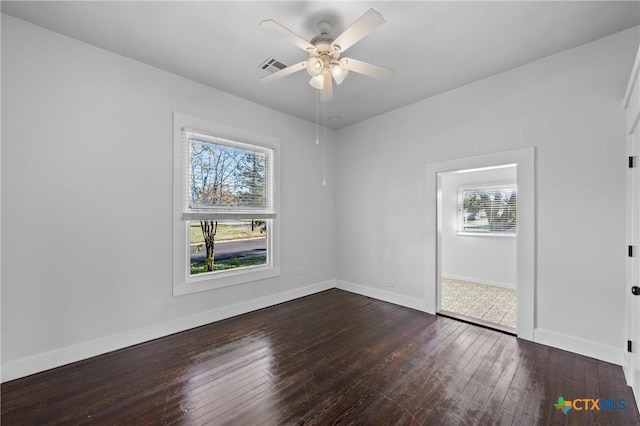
(486,302)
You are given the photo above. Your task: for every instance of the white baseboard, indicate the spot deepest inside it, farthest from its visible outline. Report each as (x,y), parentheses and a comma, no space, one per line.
(479,281)
(56,358)
(560,341)
(628,375)
(386,296)
(579,346)
(625,368)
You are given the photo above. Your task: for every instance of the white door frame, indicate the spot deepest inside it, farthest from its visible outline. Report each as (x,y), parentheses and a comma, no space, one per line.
(631,363)
(631,360)
(526,244)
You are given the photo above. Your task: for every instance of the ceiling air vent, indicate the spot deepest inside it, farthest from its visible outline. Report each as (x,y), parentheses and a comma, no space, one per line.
(272,65)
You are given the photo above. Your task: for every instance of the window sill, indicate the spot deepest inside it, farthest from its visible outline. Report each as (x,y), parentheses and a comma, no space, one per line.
(487,234)
(207,282)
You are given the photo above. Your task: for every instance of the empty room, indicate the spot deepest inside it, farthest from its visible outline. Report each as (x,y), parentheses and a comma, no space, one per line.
(274,213)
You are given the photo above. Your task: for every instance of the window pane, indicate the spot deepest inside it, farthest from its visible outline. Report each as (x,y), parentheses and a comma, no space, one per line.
(223,245)
(226,176)
(490,209)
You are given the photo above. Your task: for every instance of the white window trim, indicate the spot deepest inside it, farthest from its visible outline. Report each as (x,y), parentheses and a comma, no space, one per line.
(183,282)
(459,213)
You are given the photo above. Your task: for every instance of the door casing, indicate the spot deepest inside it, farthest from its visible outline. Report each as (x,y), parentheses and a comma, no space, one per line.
(526,249)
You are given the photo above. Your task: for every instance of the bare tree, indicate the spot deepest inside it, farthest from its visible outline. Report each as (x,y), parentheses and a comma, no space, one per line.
(214,171)
(209,229)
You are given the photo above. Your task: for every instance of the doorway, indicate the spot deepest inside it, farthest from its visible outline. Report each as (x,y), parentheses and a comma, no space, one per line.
(478,211)
(525,242)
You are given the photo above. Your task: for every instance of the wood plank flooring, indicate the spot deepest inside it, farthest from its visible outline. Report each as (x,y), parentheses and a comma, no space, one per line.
(330,358)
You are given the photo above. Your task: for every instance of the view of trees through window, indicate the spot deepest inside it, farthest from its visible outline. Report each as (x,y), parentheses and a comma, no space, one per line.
(233,244)
(489,209)
(226,178)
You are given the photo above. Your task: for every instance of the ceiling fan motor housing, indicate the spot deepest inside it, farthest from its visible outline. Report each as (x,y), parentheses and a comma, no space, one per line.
(324,53)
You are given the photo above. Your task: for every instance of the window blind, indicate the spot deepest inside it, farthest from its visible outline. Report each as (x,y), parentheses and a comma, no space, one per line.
(226,179)
(488,209)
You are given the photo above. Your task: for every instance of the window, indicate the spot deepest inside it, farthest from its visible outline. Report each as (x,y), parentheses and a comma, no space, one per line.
(490,209)
(225,221)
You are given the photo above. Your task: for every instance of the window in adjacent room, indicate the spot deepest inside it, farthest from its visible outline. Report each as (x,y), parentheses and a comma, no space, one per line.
(490,209)
(225,197)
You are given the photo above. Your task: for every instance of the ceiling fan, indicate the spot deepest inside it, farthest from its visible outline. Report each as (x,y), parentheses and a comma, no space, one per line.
(324,63)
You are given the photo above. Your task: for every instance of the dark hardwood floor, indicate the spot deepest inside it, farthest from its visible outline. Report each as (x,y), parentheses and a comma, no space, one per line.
(330,358)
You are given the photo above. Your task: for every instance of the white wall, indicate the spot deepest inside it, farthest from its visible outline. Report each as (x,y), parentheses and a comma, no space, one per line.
(485,259)
(87,158)
(87,201)
(569,106)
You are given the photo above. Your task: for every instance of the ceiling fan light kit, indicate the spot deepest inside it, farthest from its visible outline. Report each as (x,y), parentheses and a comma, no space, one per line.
(314,66)
(324,64)
(317,81)
(339,71)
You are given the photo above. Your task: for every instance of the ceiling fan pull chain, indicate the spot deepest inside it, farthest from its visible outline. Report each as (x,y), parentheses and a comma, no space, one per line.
(324,147)
(317,117)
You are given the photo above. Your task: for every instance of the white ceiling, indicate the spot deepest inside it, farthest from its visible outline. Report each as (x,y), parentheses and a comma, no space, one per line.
(433,46)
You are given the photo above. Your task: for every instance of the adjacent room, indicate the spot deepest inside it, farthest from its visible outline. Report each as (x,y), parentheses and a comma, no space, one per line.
(259,212)
(479,227)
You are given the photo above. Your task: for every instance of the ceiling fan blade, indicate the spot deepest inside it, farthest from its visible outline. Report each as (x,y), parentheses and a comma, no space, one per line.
(366,68)
(327,88)
(284,72)
(294,38)
(359,29)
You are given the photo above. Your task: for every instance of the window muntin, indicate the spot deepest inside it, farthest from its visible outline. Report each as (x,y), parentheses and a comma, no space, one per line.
(488,209)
